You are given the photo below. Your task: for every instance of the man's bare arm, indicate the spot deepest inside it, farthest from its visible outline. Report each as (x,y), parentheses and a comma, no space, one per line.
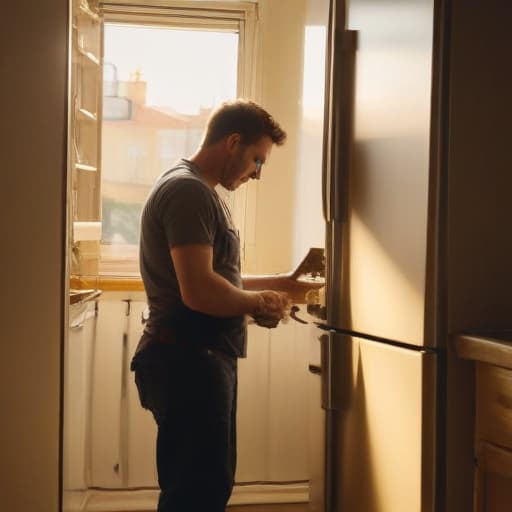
(292,283)
(285,283)
(202,289)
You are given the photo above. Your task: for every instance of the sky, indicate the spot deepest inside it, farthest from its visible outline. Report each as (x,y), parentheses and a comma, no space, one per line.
(184,69)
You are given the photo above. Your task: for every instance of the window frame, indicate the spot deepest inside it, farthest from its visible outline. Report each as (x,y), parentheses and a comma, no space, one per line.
(239,17)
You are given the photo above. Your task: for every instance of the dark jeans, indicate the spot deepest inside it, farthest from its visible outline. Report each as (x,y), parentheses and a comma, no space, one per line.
(192,395)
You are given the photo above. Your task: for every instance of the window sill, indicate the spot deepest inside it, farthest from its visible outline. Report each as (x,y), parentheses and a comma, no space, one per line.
(107,283)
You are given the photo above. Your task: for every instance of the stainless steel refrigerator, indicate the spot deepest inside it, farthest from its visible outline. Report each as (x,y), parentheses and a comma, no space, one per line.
(379,357)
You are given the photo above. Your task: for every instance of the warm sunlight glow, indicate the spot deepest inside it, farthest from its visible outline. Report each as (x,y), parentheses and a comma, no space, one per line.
(184,69)
(384,298)
(314,71)
(159,87)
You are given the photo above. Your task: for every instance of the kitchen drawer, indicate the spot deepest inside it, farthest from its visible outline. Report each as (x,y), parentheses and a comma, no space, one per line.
(493,482)
(494,404)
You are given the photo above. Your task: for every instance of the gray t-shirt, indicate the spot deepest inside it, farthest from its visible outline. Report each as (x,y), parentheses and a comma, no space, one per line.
(182,209)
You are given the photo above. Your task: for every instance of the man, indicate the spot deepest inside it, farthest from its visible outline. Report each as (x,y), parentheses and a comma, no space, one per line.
(186,362)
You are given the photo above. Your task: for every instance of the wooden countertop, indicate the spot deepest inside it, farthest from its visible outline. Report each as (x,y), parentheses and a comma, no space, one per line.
(493,348)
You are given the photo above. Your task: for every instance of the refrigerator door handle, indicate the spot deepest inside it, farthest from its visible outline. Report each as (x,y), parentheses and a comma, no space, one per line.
(343,103)
(326,374)
(335,371)
(339,90)
(326,151)
(336,25)
(340,141)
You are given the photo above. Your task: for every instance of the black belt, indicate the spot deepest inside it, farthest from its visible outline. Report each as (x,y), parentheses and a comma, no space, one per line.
(168,335)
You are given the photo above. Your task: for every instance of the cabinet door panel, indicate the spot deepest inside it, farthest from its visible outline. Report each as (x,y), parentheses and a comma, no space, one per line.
(252,421)
(493,479)
(141,431)
(287,407)
(494,404)
(106,469)
(77,387)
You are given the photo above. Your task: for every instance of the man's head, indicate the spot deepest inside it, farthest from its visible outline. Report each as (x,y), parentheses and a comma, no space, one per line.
(246,133)
(247,119)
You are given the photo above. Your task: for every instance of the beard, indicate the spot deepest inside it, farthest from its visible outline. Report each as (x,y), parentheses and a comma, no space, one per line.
(230,175)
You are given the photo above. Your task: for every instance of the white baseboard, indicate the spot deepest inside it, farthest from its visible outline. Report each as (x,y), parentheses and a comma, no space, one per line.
(269,493)
(146,500)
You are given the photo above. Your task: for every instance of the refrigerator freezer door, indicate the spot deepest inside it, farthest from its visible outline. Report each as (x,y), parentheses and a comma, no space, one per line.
(377,250)
(383,428)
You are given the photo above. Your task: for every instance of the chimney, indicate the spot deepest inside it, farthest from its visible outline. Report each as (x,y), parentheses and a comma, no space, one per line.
(135,89)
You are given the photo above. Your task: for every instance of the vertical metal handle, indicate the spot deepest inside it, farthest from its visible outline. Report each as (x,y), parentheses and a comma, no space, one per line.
(339,81)
(337,160)
(333,124)
(336,371)
(327,115)
(343,81)
(336,22)
(326,361)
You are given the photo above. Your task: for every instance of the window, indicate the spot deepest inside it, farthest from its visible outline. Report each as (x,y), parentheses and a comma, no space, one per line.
(163,73)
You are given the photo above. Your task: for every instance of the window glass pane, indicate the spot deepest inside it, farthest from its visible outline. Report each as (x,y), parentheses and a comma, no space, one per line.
(160,85)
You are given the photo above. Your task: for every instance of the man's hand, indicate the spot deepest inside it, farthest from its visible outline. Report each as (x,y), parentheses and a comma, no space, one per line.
(273,307)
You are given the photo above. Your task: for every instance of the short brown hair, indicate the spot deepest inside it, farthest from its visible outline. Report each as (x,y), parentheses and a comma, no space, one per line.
(246,118)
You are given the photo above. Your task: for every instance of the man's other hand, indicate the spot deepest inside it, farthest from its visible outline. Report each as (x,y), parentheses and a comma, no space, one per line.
(273,307)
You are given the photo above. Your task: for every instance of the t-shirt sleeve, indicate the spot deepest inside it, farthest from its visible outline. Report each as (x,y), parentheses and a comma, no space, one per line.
(188,214)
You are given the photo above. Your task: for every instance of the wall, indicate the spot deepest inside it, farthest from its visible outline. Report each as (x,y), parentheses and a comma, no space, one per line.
(279,89)
(309,228)
(480,160)
(34,72)
(479,235)
(290,85)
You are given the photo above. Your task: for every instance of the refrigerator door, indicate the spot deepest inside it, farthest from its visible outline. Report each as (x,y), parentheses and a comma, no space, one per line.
(376,189)
(380,413)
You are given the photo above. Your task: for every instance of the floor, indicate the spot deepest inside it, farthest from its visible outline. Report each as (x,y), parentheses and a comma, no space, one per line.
(299,507)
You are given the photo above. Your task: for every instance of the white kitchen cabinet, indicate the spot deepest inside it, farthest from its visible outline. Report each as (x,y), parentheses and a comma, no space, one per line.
(123,434)
(140,432)
(106,457)
(272,403)
(77,398)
